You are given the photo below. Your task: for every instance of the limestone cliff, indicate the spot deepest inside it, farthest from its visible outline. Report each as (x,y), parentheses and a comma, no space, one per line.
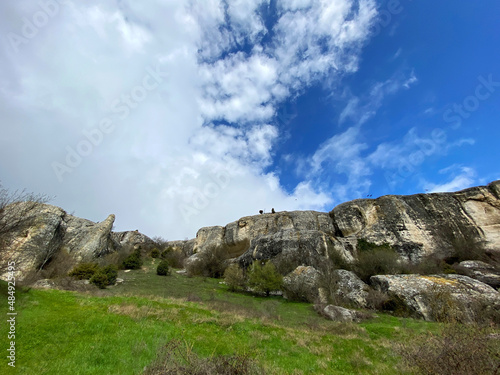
(415,225)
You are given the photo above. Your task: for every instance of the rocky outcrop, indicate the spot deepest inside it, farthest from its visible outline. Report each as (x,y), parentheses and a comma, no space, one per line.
(423,224)
(33,234)
(133,238)
(416,226)
(439,297)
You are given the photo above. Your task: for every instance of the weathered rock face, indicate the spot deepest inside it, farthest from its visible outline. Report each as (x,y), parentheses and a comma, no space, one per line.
(482,271)
(415,225)
(440,296)
(301,235)
(423,224)
(35,233)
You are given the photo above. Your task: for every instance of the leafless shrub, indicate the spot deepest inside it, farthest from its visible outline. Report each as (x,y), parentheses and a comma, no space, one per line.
(209,264)
(178,358)
(117,257)
(287,262)
(298,292)
(442,306)
(376,300)
(174,256)
(459,350)
(15,208)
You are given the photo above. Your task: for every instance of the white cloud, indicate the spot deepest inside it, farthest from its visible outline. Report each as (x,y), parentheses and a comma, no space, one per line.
(166,168)
(462,178)
(341,155)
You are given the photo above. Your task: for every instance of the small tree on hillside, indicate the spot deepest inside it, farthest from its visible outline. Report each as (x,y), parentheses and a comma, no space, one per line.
(264,278)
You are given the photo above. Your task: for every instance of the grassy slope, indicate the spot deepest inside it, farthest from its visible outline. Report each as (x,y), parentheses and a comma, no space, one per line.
(119,330)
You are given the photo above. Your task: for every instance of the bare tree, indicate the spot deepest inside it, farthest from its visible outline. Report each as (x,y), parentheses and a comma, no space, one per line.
(14,216)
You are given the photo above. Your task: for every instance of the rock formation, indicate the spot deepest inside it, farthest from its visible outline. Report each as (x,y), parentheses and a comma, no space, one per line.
(35,233)
(415,225)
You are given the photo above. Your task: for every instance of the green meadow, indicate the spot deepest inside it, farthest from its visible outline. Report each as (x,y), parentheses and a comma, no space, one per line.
(120,330)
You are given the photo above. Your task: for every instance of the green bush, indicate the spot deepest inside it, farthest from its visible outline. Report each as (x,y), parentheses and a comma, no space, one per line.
(234,278)
(100,280)
(133,261)
(111,273)
(84,271)
(264,278)
(163,268)
(155,253)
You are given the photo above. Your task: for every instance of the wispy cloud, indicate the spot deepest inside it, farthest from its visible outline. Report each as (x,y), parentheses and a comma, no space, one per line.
(361,109)
(461,178)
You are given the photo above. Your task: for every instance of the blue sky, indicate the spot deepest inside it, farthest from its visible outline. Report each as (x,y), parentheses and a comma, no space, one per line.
(179,114)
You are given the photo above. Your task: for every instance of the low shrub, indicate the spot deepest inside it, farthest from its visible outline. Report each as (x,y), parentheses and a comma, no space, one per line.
(100,280)
(429,265)
(178,358)
(234,278)
(133,261)
(163,268)
(111,273)
(458,350)
(377,300)
(84,271)
(155,253)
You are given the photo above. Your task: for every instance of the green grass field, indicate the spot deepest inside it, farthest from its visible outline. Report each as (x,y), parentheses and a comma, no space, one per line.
(119,330)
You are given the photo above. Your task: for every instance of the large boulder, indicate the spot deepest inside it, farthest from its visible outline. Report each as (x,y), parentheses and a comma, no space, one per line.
(482,271)
(440,297)
(301,284)
(341,314)
(350,289)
